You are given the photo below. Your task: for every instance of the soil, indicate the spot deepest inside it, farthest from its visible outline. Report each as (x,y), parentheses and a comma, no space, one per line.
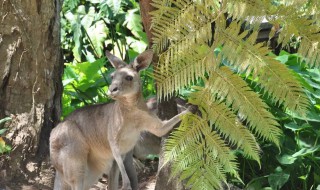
(147,171)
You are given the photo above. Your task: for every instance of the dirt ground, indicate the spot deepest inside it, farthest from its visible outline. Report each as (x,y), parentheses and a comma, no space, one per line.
(147,171)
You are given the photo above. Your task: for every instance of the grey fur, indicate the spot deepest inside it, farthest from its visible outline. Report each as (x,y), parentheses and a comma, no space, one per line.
(86,143)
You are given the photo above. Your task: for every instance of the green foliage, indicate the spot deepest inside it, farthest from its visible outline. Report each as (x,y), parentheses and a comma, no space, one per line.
(238,83)
(84,84)
(90,26)
(88,29)
(4,148)
(297,165)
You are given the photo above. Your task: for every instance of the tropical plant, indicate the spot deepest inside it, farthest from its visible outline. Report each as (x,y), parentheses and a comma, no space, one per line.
(297,165)
(3,146)
(212,45)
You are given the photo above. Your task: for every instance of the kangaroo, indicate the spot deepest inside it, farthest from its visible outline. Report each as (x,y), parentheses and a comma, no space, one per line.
(146,145)
(86,143)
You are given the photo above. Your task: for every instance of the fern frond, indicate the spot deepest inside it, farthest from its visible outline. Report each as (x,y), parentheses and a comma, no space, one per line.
(178,19)
(182,136)
(207,177)
(226,85)
(296,21)
(241,10)
(275,77)
(214,143)
(187,27)
(281,84)
(190,155)
(226,123)
(243,55)
(194,155)
(183,38)
(190,62)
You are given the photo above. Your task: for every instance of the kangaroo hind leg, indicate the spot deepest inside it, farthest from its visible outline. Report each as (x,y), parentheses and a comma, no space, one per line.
(69,154)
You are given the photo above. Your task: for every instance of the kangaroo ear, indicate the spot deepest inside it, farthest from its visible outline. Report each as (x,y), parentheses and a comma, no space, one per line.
(143,60)
(115,61)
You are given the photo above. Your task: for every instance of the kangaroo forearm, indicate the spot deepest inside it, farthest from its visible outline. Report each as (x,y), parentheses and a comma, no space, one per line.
(167,126)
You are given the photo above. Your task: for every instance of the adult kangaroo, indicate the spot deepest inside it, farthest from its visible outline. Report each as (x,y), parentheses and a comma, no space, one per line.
(86,143)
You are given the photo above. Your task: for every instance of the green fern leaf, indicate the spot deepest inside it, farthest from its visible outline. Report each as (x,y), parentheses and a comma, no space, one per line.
(193,153)
(226,123)
(228,86)
(183,38)
(285,89)
(256,61)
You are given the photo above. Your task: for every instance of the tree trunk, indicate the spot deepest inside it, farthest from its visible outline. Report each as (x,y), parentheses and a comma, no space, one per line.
(166,110)
(30,89)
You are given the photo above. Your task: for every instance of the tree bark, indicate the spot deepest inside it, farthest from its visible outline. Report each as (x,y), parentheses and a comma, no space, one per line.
(166,110)
(30,88)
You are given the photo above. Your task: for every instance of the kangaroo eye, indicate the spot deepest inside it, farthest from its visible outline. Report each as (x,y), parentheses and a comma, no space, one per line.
(111,76)
(129,78)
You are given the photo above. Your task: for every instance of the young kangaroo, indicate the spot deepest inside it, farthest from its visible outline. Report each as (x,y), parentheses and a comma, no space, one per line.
(84,145)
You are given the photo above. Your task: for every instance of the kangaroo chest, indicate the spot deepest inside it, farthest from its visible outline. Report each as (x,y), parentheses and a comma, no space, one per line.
(129,132)
(127,138)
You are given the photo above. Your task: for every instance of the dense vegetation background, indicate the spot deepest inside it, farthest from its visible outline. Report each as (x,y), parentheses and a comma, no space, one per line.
(88,28)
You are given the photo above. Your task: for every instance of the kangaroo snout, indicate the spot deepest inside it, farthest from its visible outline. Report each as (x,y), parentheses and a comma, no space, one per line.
(113,89)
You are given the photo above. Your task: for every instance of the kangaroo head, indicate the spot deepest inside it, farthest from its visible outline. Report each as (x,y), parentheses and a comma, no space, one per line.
(126,80)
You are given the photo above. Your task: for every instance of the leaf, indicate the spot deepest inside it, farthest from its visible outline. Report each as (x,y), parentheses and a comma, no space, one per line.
(5,119)
(136,45)
(2,131)
(314,74)
(278,179)
(115,5)
(77,33)
(309,116)
(256,183)
(286,159)
(315,85)
(90,70)
(283,58)
(2,145)
(88,18)
(98,34)
(133,22)
(294,127)
(71,3)
(306,151)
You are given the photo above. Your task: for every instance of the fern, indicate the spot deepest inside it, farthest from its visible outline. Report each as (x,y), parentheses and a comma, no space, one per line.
(226,123)
(187,41)
(236,93)
(285,89)
(198,151)
(302,21)
(186,36)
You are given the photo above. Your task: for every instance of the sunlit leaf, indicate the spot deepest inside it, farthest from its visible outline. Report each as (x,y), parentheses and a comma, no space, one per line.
(133,22)
(294,127)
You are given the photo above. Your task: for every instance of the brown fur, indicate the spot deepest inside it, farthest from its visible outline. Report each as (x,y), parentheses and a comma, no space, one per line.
(84,145)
